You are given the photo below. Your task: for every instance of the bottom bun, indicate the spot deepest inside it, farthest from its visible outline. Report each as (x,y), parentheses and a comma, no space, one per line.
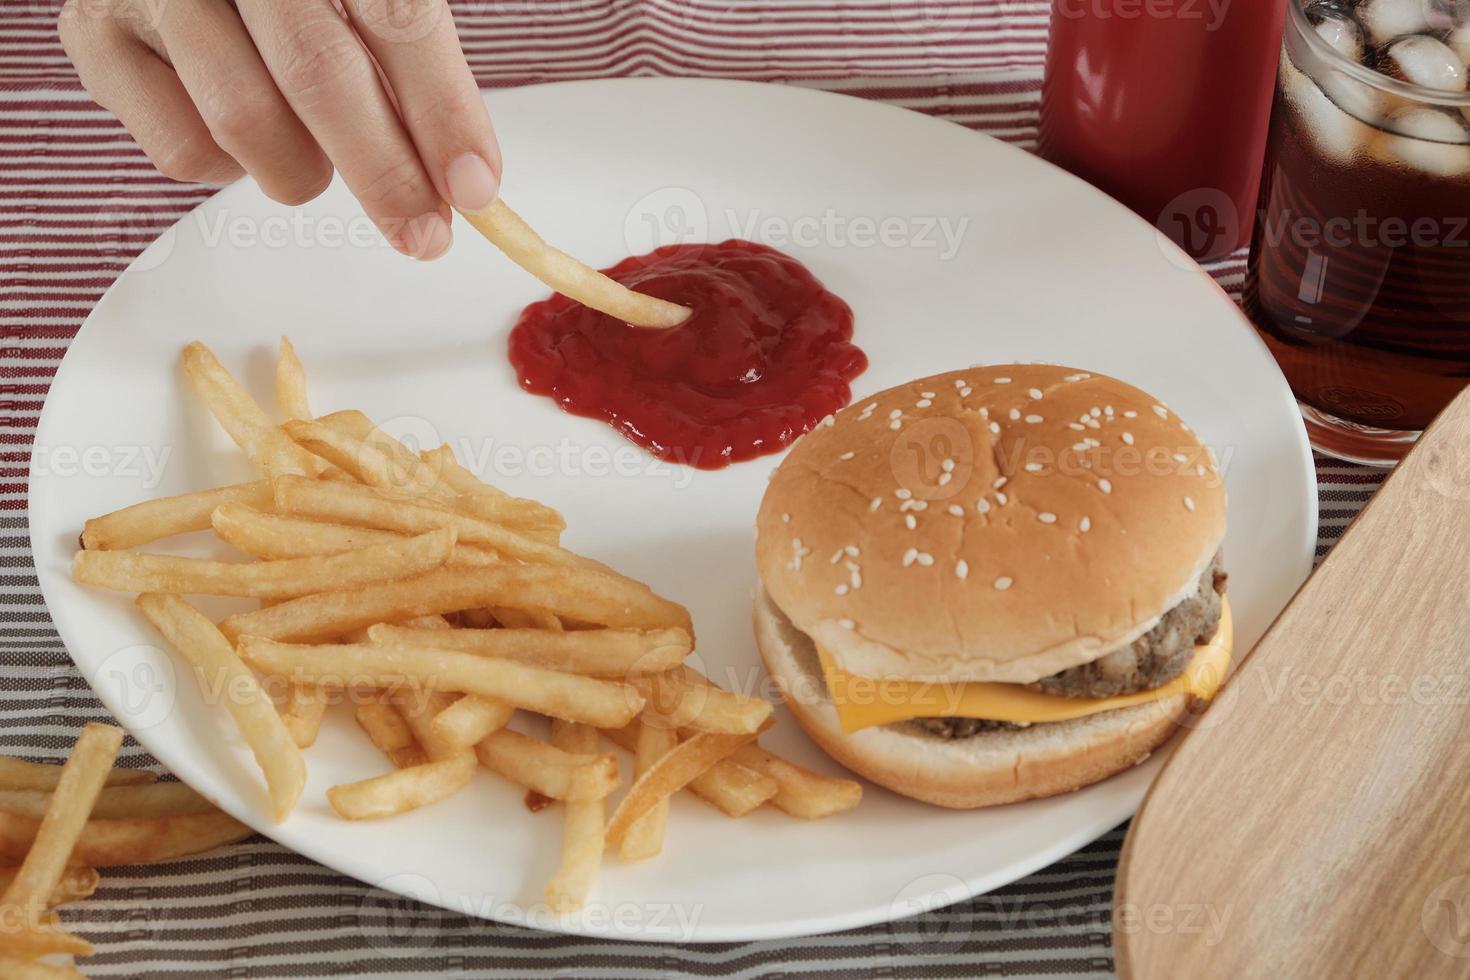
(986,769)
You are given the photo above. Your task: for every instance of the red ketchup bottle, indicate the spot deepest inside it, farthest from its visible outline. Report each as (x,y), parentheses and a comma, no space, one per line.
(1163,104)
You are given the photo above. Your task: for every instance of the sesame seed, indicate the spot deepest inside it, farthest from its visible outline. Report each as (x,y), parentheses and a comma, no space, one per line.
(896,424)
(1079,447)
(1130,414)
(829,421)
(874,504)
(903,493)
(1180,458)
(1015,415)
(910,556)
(1001,498)
(1161,411)
(1084,525)
(1128,438)
(836,556)
(983,506)
(847,455)
(923,403)
(871,407)
(1000,481)
(798,552)
(1199,469)
(957,510)
(1046,517)
(925,559)
(1189,503)
(1076,425)
(1094,411)
(1035,393)
(896,413)
(785,518)
(959,382)
(847,624)
(1002,381)
(1034,419)
(841,588)
(1003,583)
(947,465)
(984,412)
(1105,485)
(1094,424)
(1092,442)
(927,394)
(851,550)
(945,478)
(962,569)
(995,427)
(857,579)
(1033,467)
(966,392)
(910,521)
(1108,411)
(1074,377)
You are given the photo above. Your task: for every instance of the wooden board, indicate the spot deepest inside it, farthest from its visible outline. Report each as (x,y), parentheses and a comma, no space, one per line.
(1316,821)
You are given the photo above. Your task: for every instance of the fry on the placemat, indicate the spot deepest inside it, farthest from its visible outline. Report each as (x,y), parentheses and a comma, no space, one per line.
(603,703)
(391,735)
(130,571)
(245,421)
(291,400)
(20,774)
(508,232)
(801,792)
(582,594)
(115,802)
(135,840)
(205,649)
(555,773)
(76,882)
(57,832)
(583,835)
(403,789)
(701,705)
(597,653)
(166,516)
(671,773)
(656,739)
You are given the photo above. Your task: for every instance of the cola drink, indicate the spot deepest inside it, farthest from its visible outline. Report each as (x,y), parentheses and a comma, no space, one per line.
(1359,270)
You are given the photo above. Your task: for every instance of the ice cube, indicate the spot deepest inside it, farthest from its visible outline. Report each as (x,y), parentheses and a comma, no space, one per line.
(1459,42)
(1385,20)
(1422,60)
(1338,136)
(1334,21)
(1425,138)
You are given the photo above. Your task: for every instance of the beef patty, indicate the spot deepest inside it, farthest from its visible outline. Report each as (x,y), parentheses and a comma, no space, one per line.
(1152,660)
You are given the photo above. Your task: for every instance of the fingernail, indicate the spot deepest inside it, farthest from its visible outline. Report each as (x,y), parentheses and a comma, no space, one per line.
(427,237)
(472,184)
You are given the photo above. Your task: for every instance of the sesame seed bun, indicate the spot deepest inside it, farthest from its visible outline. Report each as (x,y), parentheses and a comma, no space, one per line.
(999,523)
(983,770)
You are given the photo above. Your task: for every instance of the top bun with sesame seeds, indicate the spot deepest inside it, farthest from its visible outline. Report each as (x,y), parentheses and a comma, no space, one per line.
(994,584)
(1001,523)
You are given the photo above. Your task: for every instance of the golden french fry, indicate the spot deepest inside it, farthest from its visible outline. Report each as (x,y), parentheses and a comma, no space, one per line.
(535,619)
(554,773)
(154,519)
(291,400)
(582,594)
(130,571)
(351,503)
(390,734)
(76,883)
(645,836)
(598,702)
(508,232)
(729,787)
(273,537)
(459,479)
(801,792)
(114,802)
(205,649)
(669,774)
(245,421)
(598,653)
(418,708)
(20,774)
(366,461)
(471,719)
(65,816)
(302,710)
(41,938)
(138,840)
(403,789)
(582,832)
(473,493)
(19,968)
(701,705)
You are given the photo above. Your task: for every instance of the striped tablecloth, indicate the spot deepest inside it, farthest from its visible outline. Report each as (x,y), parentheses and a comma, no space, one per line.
(78,201)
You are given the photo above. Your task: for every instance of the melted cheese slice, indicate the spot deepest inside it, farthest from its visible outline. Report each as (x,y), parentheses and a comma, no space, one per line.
(862,702)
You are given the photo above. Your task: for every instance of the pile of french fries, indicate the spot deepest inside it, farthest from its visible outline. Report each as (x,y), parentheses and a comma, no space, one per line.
(59,824)
(439,608)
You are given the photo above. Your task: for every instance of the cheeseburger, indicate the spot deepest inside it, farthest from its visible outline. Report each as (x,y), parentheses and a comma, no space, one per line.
(994,584)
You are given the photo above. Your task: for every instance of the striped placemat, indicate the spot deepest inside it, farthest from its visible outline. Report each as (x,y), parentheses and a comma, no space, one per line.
(78,201)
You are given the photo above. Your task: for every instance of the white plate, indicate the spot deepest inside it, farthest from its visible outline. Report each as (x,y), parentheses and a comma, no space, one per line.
(1046,269)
